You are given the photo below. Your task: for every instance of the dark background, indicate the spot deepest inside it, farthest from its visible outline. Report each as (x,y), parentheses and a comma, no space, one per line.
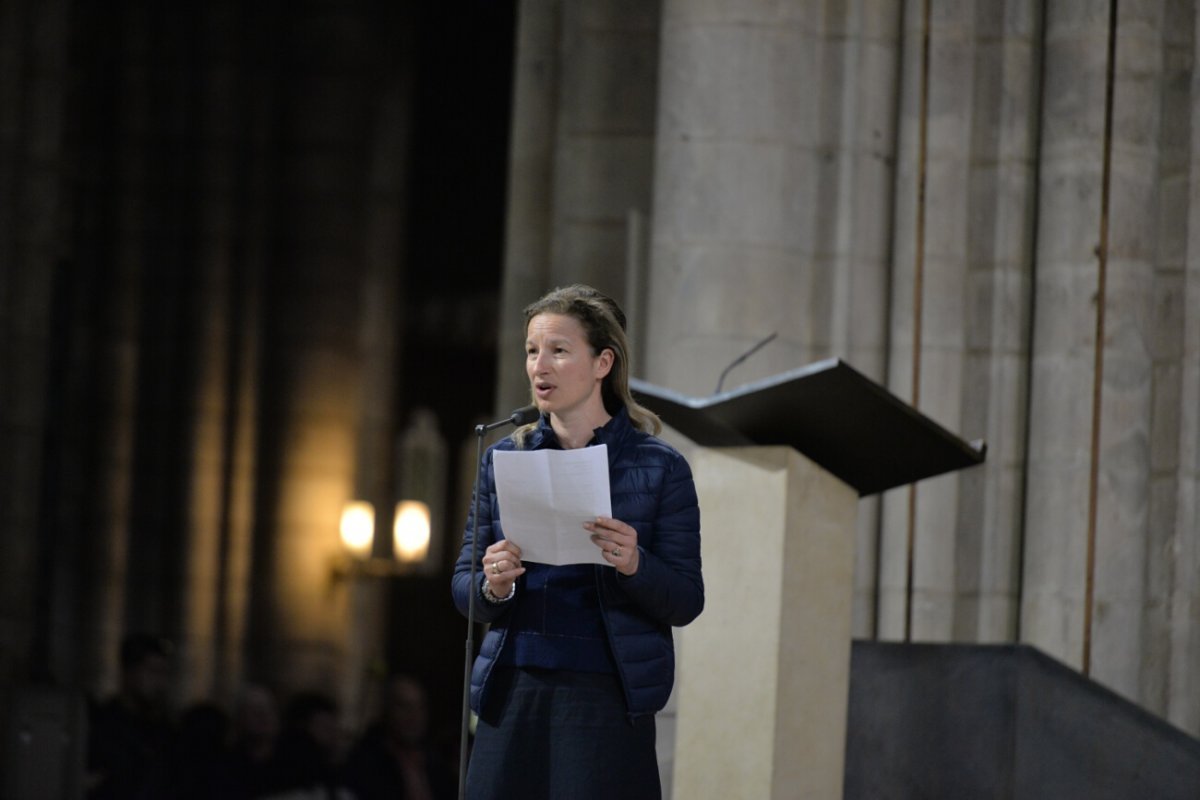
(183,168)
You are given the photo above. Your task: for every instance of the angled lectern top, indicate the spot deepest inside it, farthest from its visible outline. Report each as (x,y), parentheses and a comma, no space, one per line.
(836,416)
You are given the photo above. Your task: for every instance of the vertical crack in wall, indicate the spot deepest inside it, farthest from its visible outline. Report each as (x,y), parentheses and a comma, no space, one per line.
(1098,364)
(918,292)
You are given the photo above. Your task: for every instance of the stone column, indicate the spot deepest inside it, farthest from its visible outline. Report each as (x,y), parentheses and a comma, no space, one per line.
(1179,633)
(927,326)
(317,362)
(862,55)
(582,151)
(1123,491)
(227,309)
(773,178)
(33,91)
(115,236)
(206,543)
(1063,347)
(737,204)
(959,321)
(528,236)
(1152,140)
(604,142)
(1000,189)
(379,342)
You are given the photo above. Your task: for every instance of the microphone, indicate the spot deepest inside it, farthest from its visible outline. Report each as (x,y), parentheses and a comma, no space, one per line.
(741,358)
(522,416)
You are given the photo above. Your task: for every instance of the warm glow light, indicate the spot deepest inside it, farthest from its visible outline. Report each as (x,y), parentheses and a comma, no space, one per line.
(411,531)
(358,527)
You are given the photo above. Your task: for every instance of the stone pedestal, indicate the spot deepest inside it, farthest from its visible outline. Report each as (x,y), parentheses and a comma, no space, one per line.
(764,674)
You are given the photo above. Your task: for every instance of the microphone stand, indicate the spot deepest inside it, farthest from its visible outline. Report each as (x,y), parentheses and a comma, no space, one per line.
(522,416)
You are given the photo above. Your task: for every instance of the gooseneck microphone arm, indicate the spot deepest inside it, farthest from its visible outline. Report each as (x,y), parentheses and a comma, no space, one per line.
(522,416)
(743,357)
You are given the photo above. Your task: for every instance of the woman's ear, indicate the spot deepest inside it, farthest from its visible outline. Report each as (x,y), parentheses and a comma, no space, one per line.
(604,362)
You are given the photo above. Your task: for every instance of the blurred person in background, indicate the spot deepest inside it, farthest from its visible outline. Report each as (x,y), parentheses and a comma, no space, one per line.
(251,768)
(130,734)
(308,756)
(393,760)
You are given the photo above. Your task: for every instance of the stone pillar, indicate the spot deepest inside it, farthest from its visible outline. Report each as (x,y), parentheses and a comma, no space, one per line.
(528,236)
(736,193)
(773,176)
(962,260)
(1061,451)
(112,247)
(582,152)
(1179,633)
(33,90)
(317,367)
(227,307)
(224,479)
(927,331)
(861,59)
(1125,450)
(206,544)
(1000,188)
(379,342)
(604,143)
(768,170)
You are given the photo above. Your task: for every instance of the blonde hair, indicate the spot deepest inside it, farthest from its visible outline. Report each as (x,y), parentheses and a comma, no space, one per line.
(603,324)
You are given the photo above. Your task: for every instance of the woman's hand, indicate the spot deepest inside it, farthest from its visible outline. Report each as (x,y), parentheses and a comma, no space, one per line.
(618,542)
(502,566)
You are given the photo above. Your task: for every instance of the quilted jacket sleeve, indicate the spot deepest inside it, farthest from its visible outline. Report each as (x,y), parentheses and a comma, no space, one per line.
(460,582)
(668,585)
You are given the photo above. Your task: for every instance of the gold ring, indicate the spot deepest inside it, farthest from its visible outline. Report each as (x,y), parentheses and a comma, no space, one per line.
(495,567)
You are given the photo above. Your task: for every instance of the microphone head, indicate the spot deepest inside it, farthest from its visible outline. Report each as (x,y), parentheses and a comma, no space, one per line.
(524,416)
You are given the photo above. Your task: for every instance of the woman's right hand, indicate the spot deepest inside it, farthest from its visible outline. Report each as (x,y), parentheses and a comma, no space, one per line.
(502,566)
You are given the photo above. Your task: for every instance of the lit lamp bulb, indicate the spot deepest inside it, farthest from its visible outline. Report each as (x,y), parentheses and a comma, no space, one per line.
(358,528)
(410,534)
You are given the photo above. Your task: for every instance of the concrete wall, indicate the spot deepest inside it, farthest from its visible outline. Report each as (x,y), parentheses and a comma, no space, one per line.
(1002,722)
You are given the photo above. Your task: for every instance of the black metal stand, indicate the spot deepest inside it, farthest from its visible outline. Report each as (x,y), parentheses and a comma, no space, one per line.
(522,416)
(469,654)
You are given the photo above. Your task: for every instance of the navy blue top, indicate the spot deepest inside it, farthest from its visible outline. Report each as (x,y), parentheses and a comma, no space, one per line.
(652,491)
(557,624)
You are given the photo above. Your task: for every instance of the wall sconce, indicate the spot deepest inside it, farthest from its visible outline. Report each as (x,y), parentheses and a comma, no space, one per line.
(417,523)
(421,468)
(410,541)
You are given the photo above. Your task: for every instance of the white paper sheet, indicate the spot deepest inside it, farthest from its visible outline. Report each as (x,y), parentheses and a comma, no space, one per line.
(546,496)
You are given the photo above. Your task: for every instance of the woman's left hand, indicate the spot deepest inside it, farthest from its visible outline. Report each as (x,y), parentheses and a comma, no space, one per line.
(618,542)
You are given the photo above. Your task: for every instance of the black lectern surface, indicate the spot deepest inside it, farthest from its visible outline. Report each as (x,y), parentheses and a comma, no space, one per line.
(830,412)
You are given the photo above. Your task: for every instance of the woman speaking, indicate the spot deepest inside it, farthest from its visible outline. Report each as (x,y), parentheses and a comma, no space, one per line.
(579,657)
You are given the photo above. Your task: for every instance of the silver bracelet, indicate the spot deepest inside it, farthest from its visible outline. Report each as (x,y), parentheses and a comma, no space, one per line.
(486,591)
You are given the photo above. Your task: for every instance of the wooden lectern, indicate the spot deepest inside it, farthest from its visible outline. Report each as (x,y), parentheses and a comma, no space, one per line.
(764,673)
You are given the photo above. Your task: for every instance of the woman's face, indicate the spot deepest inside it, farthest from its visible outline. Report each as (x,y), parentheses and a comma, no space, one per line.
(563,372)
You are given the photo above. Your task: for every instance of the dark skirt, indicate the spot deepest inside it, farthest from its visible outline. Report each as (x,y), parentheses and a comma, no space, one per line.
(561,735)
